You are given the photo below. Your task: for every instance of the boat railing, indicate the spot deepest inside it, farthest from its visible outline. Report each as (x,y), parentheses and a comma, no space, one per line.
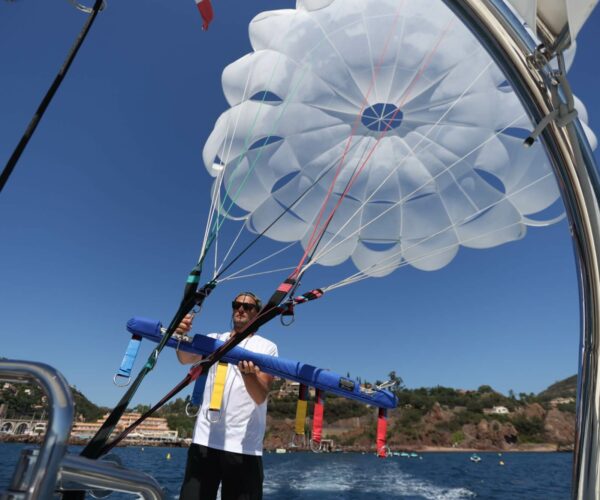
(40,472)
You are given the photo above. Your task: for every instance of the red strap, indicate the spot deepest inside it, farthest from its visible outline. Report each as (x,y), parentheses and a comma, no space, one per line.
(317,432)
(381,432)
(206,11)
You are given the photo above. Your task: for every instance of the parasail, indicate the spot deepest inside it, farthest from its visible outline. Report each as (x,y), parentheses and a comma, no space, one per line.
(390,114)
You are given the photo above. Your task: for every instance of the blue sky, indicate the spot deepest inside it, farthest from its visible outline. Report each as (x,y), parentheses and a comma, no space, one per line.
(104,216)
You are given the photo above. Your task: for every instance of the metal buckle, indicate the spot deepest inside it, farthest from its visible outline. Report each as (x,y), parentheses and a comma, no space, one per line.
(121,385)
(208,417)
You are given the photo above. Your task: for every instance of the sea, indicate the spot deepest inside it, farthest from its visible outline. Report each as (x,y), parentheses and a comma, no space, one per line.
(356,476)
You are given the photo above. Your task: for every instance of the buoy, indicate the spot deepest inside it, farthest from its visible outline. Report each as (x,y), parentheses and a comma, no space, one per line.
(501,462)
(142,448)
(168,456)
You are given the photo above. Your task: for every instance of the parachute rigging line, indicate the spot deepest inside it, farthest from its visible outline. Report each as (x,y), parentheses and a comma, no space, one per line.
(222,213)
(97,446)
(359,276)
(190,300)
(277,219)
(315,240)
(218,223)
(39,113)
(325,250)
(407,196)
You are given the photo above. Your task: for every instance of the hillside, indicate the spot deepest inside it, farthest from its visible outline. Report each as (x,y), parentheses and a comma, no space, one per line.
(425,417)
(566,388)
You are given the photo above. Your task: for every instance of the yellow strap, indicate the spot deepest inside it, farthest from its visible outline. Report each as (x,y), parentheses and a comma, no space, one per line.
(300,416)
(219,386)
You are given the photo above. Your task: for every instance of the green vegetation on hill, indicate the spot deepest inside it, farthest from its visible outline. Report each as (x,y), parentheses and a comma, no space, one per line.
(566,388)
(435,416)
(28,401)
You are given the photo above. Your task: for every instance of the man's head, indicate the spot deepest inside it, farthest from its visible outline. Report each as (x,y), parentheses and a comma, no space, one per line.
(245,308)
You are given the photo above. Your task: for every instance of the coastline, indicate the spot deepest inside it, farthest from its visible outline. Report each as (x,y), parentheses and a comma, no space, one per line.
(529,447)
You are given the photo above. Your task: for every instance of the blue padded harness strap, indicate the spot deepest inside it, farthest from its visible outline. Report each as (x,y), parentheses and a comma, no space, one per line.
(198,392)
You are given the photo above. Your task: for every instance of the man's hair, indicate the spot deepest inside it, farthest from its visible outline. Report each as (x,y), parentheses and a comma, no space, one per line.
(254,297)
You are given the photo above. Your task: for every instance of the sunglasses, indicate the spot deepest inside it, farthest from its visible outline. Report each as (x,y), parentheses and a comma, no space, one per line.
(244,305)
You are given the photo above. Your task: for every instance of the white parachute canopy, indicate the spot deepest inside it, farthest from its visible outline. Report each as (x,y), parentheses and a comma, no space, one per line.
(556,14)
(394,102)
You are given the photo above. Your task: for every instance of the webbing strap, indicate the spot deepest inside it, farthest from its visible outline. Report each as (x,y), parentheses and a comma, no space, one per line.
(317,293)
(317,432)
(267,313)
(216,398)
(198,393)
(381,432)
(130,355)
(301,408)
(98,444)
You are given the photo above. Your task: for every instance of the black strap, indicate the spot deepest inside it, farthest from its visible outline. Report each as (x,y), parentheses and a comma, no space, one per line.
(12,161)
(94,448)
(266,314)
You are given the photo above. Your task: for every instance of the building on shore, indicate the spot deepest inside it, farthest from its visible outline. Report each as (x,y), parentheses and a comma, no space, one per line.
(151,430)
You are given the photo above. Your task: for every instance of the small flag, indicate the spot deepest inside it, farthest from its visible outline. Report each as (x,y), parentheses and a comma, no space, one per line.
(206,11)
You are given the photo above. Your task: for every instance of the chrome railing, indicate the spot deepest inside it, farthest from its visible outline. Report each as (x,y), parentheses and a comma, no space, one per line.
(41,472)
(514,50)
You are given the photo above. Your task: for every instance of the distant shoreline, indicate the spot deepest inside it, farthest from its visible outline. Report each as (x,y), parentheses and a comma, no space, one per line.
(537,447)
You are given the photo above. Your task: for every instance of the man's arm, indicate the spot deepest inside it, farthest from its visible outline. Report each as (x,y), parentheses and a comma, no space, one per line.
(183,329)
(257,383)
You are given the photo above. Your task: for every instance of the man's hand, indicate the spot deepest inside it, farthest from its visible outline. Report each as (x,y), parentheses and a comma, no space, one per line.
(257,383)
(248,368)
(186,325)
(183,329)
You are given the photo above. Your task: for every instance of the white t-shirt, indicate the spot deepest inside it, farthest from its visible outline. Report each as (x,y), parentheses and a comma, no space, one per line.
(240,425)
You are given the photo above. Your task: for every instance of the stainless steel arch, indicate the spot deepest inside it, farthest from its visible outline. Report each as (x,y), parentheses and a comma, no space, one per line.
(510,45)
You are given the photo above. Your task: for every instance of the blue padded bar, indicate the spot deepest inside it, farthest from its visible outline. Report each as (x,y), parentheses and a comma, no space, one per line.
(291,370)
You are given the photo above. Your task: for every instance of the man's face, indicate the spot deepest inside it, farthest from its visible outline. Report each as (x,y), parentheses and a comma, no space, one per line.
(244,311)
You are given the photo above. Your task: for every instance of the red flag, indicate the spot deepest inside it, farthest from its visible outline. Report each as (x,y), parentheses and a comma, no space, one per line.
(206,11)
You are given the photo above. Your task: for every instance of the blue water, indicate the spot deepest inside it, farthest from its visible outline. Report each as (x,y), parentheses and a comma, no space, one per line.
(302,476)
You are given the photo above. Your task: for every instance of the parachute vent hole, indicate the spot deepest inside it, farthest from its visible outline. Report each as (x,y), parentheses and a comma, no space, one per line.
(284,181)
(265,141)
(381,117)
(267,97)
(492,180)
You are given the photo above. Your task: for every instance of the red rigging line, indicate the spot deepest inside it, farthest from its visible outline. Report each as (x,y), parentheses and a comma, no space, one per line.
(314,239)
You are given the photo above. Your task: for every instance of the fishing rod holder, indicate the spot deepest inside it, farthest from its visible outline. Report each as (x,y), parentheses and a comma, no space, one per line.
(41,471)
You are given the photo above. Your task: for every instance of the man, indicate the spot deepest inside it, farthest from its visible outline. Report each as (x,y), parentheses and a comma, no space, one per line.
(228,437)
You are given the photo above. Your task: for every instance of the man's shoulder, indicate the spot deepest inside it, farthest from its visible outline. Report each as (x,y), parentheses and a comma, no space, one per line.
(261,344)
